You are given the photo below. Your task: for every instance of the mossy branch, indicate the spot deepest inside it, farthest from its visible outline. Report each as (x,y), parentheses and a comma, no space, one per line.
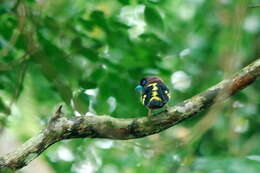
(61,128)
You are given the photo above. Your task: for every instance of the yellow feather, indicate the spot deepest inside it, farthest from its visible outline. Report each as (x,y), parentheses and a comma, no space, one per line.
(143,99)
(156,98)
(154,92)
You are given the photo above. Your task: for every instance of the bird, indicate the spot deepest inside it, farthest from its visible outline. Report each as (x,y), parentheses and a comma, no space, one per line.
(154,93)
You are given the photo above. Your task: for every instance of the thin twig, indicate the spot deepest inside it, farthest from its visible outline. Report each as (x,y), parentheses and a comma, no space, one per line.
(254,6)
(57,114)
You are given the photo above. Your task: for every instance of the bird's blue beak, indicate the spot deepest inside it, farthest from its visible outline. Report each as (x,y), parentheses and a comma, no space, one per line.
(139,88)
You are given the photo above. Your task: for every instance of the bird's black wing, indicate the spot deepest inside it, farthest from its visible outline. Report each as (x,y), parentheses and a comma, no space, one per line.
(164,92)
(146,95)
(155,95)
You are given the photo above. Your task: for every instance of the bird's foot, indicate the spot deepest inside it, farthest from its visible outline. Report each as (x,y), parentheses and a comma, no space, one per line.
(150,113)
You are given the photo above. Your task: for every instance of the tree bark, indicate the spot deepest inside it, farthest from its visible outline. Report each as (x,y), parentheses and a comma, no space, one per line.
(61,128)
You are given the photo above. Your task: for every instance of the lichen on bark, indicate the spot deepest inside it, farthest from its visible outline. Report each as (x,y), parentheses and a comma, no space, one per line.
(61,128)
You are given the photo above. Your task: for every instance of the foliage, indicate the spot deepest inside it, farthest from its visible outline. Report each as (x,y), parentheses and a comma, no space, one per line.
(94,53)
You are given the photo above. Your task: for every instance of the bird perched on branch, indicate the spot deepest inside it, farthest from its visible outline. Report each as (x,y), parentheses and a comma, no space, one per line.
(154,93)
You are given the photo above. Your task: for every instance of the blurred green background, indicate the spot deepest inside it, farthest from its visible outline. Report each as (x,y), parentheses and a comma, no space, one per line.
(90,54)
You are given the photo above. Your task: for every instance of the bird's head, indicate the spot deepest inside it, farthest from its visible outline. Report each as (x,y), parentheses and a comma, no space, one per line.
(146,81)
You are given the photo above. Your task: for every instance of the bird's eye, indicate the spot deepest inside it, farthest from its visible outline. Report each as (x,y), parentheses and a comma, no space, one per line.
(143,82)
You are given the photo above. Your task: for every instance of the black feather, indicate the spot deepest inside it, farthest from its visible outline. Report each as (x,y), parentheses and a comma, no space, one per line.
(155,95)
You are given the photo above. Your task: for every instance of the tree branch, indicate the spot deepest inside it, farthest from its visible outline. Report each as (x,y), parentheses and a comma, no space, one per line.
(61,128)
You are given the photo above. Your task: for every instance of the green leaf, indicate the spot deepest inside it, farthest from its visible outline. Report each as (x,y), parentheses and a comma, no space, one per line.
(3,108)
(81,102)
(153,18)
(125,2)
(54,76)
(157,2)
(87,84)
(99,18)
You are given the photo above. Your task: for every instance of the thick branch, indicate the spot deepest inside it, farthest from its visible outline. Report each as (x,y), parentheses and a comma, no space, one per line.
(60,128)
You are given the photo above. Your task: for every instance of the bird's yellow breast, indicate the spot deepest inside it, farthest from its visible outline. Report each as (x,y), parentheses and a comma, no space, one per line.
(154,92)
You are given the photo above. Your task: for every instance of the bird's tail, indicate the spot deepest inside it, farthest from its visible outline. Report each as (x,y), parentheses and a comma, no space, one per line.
(155,104)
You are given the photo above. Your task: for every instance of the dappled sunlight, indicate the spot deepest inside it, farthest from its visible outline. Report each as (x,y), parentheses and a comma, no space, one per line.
(180,80)
(133,16)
